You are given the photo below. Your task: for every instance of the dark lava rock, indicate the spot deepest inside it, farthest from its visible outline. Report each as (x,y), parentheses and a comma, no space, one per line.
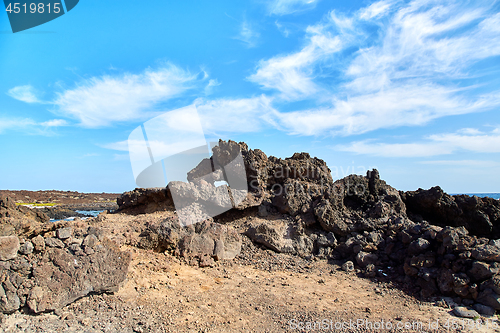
(206,238)
(418,246)
(364,259)
(64,277)
(481,216)
(463,312)
(489,298)
(480,271)
(484,310)
(142,201)
(45,278)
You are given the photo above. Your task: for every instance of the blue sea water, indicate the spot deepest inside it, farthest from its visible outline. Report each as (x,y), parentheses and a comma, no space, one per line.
(482,195)
(89,213)
(92,213)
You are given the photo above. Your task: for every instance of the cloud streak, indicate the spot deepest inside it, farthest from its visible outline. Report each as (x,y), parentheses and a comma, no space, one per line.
(284,7)
(24,93)
(248,35)
(387,65)
(102,101)
(243,115)
(469,140)
(30,126)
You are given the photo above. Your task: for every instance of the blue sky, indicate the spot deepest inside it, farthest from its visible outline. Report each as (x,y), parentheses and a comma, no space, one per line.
(409,87)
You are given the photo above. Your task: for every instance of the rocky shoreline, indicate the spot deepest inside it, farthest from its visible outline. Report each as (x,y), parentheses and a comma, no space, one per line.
(430,245)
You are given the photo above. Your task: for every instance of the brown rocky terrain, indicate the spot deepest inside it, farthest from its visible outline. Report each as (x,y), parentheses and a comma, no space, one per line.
(299,252)
(59,205)
(59,197)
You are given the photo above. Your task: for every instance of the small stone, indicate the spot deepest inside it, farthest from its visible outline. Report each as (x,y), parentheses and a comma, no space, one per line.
(441,303)
(418,246)
(206,261)
(54,242)
(9,301)
(26,248)
(75,248)
(219,249)
(480,271)
(484,309)
(68,316)
(370,271)
(64,233)
(89,250)
(262,211)
(463,312)
(38,243)
(348,266)
(486,253)
(9,245)
(489,298)
(364,259)
(90,241)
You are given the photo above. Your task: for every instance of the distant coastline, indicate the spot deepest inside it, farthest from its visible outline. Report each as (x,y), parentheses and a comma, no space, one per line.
(481,195)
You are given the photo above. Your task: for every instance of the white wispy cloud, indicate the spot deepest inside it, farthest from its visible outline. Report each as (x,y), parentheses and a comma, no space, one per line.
(235,115)
(470,140)
(407,105)
(30,126)
(284,30)
(464,163)
(209,88)
(376,9)
(24,93)
(284,7)
(405,73)
(120,145)
(293,74)
(248,35)
(15,124)
(55,123)
(102,101)
(219,117)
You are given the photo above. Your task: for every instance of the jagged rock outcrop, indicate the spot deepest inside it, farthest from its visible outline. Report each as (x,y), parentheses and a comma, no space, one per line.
(481,216)
(142,201)
(19,220)
(299,186)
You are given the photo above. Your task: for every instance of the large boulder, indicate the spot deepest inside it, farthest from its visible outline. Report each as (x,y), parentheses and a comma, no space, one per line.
(52,274)
(288,237)
(481,216)
(62,277)
(330,218)
(210,239)
(278,235)
(142,201)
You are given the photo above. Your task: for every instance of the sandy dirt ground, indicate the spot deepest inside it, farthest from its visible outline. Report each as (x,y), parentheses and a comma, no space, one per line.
(259,291)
